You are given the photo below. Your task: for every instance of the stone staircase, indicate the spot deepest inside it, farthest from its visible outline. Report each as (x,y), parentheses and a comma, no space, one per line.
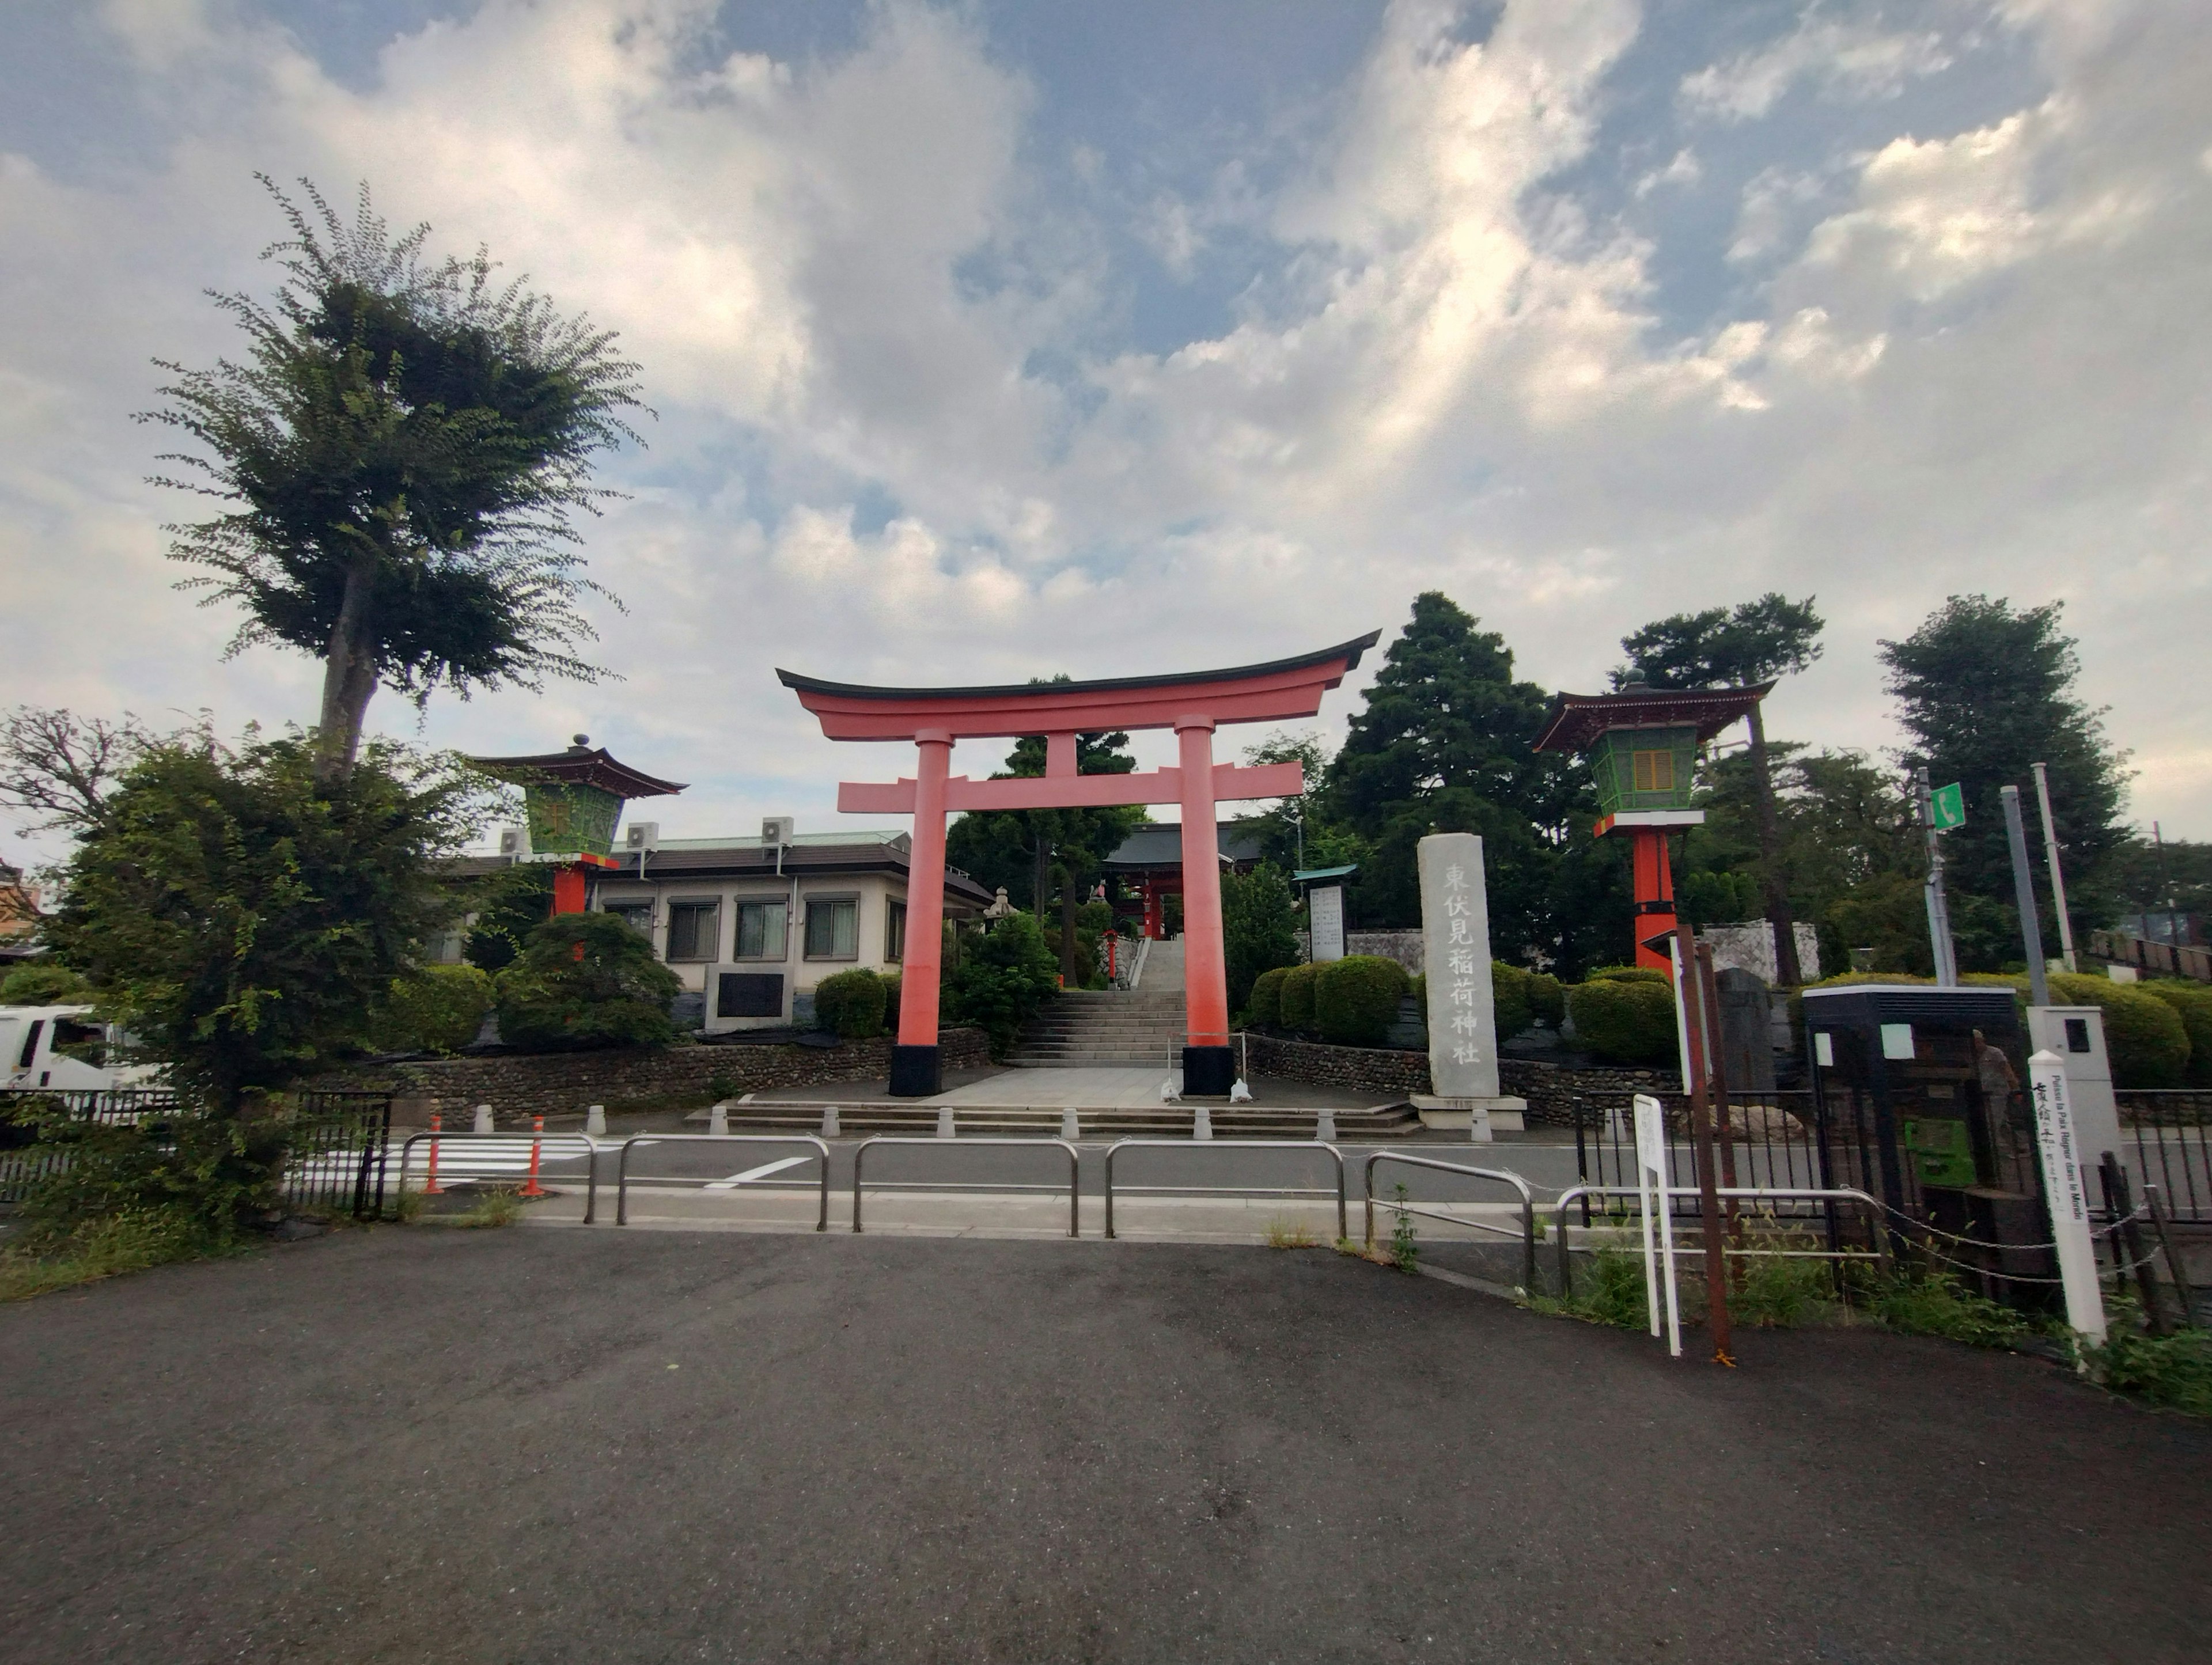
(1110,1028)
(1162,1121)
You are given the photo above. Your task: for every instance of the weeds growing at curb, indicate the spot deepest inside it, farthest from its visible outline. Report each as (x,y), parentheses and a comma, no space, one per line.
(129,1240)
(1281,1234)
(493,1208)
(1404,1254)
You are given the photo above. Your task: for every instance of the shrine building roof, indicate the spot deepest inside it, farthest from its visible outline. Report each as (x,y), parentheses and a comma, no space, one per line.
(1575,720)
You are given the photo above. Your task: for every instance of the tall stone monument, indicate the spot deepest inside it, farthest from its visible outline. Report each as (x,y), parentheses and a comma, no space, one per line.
(1462,1023)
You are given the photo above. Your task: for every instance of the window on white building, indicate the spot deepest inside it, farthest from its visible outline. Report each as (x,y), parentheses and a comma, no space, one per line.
(833,929)
(692,929)
(761,930)
(894,934)
(638,915)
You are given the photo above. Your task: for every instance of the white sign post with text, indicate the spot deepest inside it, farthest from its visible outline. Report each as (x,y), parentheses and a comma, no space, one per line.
(1653,1202)
(2065,1188)
(1455,956)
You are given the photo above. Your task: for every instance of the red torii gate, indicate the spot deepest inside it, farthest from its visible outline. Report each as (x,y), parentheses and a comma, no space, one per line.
(1193,704)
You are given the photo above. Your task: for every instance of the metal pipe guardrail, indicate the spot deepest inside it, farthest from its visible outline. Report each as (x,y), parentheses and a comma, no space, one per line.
(1074,1163)
(1782,1194)
(1187,1145)
(1506,1176)
(444,1137)
(621,1168)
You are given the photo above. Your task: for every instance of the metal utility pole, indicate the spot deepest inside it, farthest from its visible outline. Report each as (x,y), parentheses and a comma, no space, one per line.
(2023,887)
(2051,859)
(1939,911)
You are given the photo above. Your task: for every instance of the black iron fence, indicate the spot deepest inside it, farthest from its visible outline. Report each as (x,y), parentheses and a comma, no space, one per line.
(1776,1143)
(2171,1134)
(336,1144)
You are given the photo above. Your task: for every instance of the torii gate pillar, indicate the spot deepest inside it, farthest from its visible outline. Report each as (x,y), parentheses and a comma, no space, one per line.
(1191,704)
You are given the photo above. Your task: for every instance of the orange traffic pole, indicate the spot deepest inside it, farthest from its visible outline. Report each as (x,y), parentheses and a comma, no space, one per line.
(431,1188)
(534,1189)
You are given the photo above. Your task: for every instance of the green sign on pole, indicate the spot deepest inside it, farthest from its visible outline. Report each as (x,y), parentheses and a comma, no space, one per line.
(1948,807)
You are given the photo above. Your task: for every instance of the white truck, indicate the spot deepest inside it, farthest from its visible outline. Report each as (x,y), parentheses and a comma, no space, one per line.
(63,1048)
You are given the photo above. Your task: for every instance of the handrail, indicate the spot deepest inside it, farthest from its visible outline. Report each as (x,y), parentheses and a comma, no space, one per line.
(1503,1175)
(622,1167)
(1787,1193)
(1074,1166)
(1187,1145)
(407,1146)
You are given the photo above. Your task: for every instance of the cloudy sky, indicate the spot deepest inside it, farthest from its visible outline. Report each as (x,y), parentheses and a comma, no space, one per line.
(998,339)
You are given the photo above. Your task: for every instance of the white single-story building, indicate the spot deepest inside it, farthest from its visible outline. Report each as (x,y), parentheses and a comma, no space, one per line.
(753,924)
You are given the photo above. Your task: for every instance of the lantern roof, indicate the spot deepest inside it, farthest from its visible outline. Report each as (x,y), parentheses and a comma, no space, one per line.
(1575,722)
(581,765)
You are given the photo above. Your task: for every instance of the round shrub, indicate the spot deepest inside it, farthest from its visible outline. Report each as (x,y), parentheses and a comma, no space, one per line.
(1509,999)
(1295,995)
(850,1005)
(1627,974)
(1547,998)
(438,1008)
(2145,1036)
(891,984)
(1356,998)
(44,985)
(586,980)
(2192,1001)
(1625,1020)
(1266,1008)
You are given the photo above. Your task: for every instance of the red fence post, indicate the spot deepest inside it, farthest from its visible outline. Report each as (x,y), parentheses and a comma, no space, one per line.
(537,1131)
(431,1188)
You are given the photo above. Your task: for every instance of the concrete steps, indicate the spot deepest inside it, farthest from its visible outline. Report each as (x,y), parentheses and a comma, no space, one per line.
(1112,1029)
(1167,1122)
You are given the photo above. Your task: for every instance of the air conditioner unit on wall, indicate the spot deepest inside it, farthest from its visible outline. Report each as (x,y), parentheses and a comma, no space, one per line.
(514,841)
(779,830)
(642,836)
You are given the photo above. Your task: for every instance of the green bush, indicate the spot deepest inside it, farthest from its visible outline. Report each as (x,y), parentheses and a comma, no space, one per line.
(850,1005)
(2145,1036)
(1627,974)
(891,986)
(1002,978)
(44,984)
(1547,998)
(613,994)
(1355,999)
(1626,1021)
(2174,1369)
(1296,993)
(435,1008)
(1509,999)
(1266,1005)
(2193,1001)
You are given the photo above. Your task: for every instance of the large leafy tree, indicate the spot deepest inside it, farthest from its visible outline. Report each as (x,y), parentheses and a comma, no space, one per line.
(1443,744)
(237,914)
(1753,642)
(1986,691)
(402,451)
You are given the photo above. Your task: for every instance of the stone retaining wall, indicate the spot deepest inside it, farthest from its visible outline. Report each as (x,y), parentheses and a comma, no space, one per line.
(566,1083)
(1555,1095)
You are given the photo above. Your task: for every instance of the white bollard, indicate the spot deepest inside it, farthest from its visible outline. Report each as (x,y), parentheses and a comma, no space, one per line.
(595,1122)
(718,1118)
(830,1122)
(1071,1126)
(945,1124)
(1325,1128)
(2066,1184)
(483,1119)
(1201,1124)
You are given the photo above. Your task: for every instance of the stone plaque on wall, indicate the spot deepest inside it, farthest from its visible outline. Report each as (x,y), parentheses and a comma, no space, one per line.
(1456,941)
(1325,904)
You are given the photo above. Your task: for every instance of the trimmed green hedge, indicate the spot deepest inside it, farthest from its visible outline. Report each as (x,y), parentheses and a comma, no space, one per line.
(1547,998)
(1266,1008)
(586,980)
(890,1004)
(2193,1001)
(850,1005)
(1510,1005)
(1627,974)
(438,1009)
(1625,1020)
(1294,993)
(1356,998)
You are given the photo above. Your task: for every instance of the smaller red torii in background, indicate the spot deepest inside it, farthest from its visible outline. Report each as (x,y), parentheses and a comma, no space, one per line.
(1193,704)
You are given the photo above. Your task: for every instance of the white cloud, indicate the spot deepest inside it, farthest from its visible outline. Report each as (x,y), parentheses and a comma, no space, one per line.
(1849,59)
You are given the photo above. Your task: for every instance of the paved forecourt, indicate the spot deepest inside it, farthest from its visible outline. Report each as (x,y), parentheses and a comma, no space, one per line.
(408,1444)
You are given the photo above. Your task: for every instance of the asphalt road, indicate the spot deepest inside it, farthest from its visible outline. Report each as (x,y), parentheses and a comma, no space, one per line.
(429,1445)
